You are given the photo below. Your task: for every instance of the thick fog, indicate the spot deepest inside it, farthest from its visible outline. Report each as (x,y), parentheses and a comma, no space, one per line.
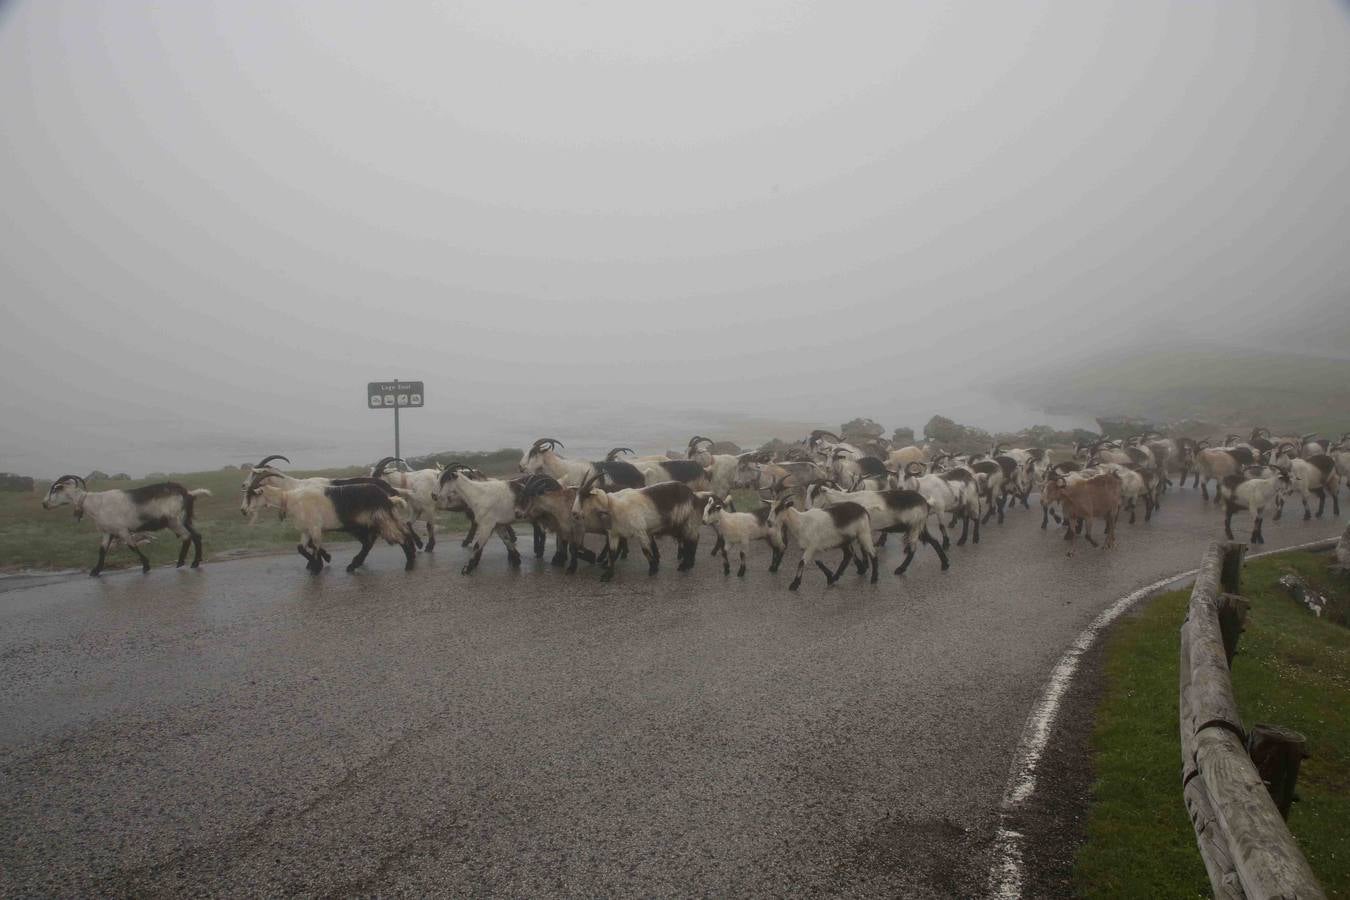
(620,220)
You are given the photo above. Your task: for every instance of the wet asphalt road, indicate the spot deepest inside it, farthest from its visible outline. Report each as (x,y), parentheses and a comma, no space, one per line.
(249,729)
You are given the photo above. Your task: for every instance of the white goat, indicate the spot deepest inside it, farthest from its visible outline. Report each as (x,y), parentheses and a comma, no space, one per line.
(738,529)
(421,487)
(493,504)
(1255,488)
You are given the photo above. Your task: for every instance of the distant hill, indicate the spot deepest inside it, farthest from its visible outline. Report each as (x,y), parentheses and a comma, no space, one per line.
(1211,383)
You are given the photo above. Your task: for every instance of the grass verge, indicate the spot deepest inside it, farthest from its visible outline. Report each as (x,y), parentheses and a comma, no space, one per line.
(1292,669)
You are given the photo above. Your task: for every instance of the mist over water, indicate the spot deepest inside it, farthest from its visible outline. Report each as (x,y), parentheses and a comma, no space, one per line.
(587,431)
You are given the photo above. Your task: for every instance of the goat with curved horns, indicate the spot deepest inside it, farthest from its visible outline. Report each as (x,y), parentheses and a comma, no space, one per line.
(127,516)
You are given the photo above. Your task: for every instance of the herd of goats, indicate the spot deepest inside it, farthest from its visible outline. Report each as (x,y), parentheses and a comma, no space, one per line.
(825,494)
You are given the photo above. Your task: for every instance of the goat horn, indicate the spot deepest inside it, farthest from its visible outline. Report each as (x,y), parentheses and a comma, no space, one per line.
(267,459)
(73,479)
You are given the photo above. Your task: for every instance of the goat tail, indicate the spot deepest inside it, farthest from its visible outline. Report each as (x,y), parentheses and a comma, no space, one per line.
(199,492)
(388,524)
(400,505)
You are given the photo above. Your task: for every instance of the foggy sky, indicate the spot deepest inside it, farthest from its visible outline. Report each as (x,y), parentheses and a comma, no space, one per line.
(219,219)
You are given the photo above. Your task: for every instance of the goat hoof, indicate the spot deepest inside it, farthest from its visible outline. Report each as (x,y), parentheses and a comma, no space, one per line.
(145,570)
(607,576)
(194,564)
(466,570)
(946,566)
(740,573)
(351,569)
(179,564)
(726,570)
(796,583)
(94,573)
(900,570)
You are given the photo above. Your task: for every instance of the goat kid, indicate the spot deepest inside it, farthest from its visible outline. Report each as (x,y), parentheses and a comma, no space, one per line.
(739,529)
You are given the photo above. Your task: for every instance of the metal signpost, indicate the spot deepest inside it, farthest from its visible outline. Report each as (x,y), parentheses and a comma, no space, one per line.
(394,395)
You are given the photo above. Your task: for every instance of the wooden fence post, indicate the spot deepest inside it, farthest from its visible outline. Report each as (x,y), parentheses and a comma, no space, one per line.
(1232,621)
(1230,577)
(1277,753)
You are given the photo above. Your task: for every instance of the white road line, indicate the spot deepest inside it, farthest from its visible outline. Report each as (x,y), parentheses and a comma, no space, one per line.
(1005,875)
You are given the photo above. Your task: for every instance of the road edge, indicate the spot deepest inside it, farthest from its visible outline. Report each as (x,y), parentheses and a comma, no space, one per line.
(1006,872)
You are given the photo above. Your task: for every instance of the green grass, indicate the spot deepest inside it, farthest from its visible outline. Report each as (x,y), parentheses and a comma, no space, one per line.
(1292,669)
(34,538)
(1219,385)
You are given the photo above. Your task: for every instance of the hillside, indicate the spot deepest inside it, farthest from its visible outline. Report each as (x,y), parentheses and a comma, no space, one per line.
(1213,384)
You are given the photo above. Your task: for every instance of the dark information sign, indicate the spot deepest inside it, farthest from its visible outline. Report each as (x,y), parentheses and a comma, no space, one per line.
(394,394)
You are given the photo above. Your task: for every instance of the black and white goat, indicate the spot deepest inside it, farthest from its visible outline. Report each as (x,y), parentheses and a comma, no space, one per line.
(128,516)
(844,525)
(859,473)
(897,511)
(367,511)
(739,529)
(1253,489)
(689,472)
(250,505)
(951,495)
(1314,475)
(640,516)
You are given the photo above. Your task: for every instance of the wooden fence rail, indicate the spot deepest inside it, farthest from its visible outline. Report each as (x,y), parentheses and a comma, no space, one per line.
(1244,842)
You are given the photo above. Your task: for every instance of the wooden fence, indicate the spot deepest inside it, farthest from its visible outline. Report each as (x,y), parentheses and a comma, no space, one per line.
(1243,840)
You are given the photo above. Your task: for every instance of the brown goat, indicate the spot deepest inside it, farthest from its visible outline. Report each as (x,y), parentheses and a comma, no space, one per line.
(1085,499)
